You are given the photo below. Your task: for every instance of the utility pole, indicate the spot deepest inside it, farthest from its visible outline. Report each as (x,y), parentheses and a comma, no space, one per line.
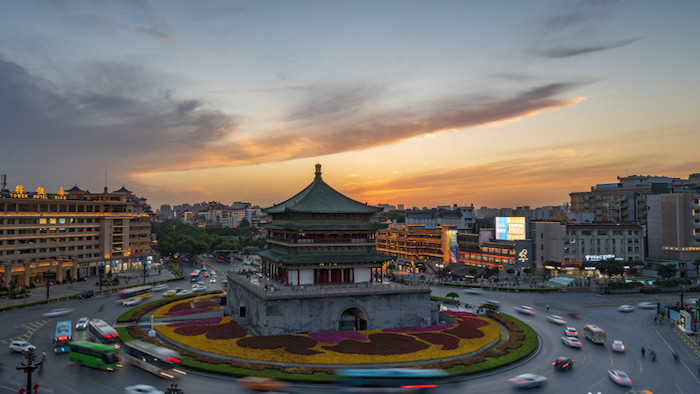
(143,265)
(48,275)
(28,367)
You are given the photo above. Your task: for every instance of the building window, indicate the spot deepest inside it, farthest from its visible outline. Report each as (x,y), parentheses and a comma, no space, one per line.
(586,232)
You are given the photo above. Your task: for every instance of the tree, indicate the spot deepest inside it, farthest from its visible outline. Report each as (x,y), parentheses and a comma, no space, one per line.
(610,267)
(391,266)
(510,271)
(666,271)
(398,217)
(452,295)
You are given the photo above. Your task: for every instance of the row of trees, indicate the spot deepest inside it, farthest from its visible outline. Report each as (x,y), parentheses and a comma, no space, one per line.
(174,236)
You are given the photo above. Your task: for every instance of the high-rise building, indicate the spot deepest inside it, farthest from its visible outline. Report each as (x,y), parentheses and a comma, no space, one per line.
(674,226)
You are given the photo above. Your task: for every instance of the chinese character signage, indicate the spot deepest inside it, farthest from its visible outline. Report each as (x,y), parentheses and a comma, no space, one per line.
(510,228)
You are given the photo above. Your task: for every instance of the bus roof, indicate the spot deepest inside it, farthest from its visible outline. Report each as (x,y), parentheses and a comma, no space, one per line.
(134,289)
(92,345)
(161,352)
(392,372)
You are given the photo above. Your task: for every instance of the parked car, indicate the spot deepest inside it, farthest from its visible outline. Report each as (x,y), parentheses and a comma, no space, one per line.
(625,308)
(58,312)
(571,332)
(525,309)
(142,389)
(86,294)
(159,287)
(527,380)
(563,363)
(556,319)
(620,378)
(21,346)
(618,346)
(82,323)
(572,342)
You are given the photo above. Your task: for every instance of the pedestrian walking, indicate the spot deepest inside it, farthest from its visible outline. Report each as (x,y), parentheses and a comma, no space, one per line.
(547,307)
(643,351)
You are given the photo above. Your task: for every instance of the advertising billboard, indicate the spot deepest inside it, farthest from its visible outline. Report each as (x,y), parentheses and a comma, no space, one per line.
(510,228)
(453,247)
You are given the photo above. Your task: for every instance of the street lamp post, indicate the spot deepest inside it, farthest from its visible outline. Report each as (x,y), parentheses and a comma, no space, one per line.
(100,272)
(28,367)
(143,265)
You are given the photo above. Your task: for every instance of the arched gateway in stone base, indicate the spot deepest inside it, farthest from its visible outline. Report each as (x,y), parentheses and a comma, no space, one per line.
(320,268)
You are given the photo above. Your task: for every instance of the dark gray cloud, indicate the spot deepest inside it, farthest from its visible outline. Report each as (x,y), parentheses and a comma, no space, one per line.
(579,14)
(94,128)
(325,103)
(557,53)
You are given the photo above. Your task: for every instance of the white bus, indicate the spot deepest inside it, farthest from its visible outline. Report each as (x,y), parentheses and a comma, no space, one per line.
(594,333)
(157,360)
(102,332)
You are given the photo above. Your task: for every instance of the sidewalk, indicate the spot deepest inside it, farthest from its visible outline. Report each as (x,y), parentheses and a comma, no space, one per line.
(74,288)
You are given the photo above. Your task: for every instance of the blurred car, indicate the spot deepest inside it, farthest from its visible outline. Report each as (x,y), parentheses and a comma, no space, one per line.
(527,380)
(142,389)
(21,346)
(635,391)
(625,308)
(473,290)
(571,332)
(82,323)
(86,294)
(563,363)
(646,305)
(131,301)
(260,383)
(556,319)
(491,304)
(169,293)
(618,346)
(58,312)
(199,288)
(572,342)
(184,292)
(159,287)
(525,309)
(212,280)
(620,378)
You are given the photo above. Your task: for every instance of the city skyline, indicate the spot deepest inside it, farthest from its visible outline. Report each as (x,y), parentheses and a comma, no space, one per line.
(403,102)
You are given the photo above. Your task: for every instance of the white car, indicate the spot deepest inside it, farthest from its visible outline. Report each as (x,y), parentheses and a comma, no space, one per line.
(142,389)
(646,305)
(473,290)
(159,287)
(184,292)
(620,377)
(556,319)
(21,346)
(82,323)
(618,346)
(212,280)
(58,312)
(131,301)
(572,342)
(525,309)
(625,308)
(527,380)
(199,288)
(571,332)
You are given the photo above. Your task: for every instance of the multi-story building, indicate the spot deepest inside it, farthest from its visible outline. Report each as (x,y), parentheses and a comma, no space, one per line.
(70,234)
(417,243)
(578,246)
(460,217)
(674,226)
(626,201)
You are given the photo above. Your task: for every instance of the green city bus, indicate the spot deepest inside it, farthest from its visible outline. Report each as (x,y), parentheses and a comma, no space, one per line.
(94,355)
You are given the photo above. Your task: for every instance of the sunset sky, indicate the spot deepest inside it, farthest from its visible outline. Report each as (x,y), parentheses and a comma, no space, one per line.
(422,103)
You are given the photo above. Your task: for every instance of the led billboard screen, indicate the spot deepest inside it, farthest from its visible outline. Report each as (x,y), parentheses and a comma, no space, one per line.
(510,228)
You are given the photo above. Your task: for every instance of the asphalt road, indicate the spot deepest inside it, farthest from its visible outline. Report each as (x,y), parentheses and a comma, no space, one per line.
(636,329)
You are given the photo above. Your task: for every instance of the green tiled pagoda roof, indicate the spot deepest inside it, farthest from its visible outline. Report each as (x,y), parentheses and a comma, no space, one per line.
(315,226)
(318,197)
(316,259)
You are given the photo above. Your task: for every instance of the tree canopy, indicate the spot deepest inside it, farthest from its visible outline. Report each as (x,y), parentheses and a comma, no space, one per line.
(610,267)
(666,271)
(174,236)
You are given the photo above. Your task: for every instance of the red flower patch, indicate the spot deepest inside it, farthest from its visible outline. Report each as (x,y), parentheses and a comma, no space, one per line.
(382,344)
(230,330)
(468,328)
(448,342)
(294,344)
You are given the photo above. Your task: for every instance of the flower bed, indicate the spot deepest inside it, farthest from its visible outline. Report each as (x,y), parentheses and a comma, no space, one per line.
(188,306)
(225,337)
